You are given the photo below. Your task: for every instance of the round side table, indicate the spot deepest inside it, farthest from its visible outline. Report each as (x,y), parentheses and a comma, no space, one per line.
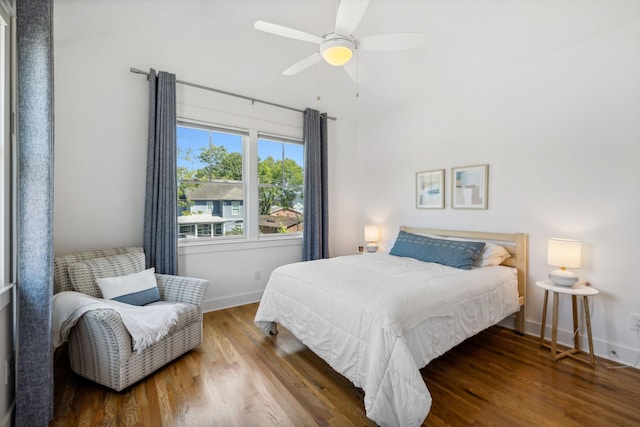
(575,291)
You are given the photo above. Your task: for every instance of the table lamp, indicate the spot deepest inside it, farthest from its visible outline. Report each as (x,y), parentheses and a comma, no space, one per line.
(371,236)
(564,253)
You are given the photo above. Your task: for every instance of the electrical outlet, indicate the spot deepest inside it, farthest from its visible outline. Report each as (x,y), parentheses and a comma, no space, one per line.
(635,322)
(613,353)
(257,275)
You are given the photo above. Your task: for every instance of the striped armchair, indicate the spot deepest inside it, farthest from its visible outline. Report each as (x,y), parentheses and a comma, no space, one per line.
(100,348)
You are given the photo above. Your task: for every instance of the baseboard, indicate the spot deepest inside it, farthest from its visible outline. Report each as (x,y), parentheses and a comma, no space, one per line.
(232,301)
(623,354)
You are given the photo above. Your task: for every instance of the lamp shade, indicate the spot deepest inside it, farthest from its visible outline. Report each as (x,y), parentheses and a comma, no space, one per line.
(564,252)
(371,233)
(336,50)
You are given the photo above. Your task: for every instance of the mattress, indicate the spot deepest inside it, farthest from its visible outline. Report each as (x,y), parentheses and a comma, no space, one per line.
(378,318)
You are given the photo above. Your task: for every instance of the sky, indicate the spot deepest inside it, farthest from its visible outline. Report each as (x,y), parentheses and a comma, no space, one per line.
(192,138)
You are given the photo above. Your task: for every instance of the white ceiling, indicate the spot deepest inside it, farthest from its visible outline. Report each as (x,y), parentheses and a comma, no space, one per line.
(465,40)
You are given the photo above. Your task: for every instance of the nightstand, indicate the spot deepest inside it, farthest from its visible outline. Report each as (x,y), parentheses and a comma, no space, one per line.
(575,291)
(365,252)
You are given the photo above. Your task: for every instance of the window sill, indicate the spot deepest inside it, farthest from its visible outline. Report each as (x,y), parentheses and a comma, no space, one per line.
(197,247)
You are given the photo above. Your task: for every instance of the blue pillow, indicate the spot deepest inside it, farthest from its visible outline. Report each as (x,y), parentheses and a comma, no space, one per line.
(454,253)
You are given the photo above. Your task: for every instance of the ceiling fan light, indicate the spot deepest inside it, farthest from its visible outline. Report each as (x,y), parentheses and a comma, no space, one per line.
(337,51)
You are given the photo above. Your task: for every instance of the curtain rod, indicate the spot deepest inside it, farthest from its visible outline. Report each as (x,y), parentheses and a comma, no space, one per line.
(253,100)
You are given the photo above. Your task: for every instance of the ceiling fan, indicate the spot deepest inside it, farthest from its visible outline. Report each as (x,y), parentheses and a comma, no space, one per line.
(338,46)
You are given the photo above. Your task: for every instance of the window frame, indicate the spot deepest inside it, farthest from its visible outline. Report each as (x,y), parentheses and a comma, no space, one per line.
(284,141)
(244,134)
(8,159)
(235,207)
(252,237)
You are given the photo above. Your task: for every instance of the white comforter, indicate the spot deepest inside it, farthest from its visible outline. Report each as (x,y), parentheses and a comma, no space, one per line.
(377,319)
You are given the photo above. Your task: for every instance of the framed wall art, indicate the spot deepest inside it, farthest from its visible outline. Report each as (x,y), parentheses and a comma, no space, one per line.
(470,187)
(430,189)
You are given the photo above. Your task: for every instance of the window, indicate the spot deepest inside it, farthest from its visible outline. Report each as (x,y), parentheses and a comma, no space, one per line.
(281,183)
(211,186)
(238,183)
(7,156)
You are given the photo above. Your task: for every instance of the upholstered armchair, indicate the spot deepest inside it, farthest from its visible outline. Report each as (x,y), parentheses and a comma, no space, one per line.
(100,347)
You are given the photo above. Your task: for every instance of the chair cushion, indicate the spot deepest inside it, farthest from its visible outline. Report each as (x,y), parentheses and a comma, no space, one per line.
(61,281)
(83,274)
(136,288)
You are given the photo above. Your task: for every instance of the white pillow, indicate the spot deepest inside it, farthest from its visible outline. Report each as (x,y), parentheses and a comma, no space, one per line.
(137,289)
(491,254)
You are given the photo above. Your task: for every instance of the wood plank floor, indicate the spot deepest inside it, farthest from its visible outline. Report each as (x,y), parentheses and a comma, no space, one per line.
(239,377)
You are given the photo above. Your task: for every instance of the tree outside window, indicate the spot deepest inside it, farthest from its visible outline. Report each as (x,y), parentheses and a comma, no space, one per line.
(281,183)
(212,189)
(210,182)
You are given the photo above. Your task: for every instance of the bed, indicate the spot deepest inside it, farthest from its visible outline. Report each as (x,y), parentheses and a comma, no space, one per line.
(378,318)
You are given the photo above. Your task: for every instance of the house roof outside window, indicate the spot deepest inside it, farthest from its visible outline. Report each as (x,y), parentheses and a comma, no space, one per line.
(200,219)
(216,190)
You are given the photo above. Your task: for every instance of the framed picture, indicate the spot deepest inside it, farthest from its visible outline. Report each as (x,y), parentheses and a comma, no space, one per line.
(469,187)
(430,189)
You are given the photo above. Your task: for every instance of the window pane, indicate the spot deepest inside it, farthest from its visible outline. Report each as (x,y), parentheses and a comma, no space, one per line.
(281,176)
(294,164)
(190,142)
(210,186)
(269,162)
(292,199)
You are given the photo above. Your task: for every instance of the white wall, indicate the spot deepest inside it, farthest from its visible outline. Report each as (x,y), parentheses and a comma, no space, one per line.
(561,134)
(101,143)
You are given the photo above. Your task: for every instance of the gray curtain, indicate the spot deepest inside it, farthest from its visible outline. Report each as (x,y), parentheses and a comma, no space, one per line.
(34,382)
(315,242)
(160,209)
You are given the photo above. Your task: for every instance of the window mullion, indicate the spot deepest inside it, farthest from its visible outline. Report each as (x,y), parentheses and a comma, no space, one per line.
(283,169)
(251,213)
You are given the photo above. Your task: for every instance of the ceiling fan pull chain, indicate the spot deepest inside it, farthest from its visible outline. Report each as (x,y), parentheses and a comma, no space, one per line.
(357,73)
(318,97)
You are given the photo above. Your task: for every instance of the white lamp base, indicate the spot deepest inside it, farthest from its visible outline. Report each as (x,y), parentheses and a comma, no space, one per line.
(372,247)
(563,278)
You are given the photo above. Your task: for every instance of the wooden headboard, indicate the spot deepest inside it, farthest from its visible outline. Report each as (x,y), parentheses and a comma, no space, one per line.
(515,243)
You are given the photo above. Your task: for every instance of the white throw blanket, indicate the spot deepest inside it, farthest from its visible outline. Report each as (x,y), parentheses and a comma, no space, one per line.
(146,324)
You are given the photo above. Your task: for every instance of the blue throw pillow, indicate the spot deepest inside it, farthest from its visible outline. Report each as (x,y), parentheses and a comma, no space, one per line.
(454,253)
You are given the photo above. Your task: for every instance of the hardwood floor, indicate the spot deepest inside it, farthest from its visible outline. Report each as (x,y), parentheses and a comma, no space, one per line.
(239,377)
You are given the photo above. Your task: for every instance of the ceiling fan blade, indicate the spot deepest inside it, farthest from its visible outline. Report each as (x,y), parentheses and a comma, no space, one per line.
(302,64)
(356,70)
(282,31)
(399,41)
(350,12)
